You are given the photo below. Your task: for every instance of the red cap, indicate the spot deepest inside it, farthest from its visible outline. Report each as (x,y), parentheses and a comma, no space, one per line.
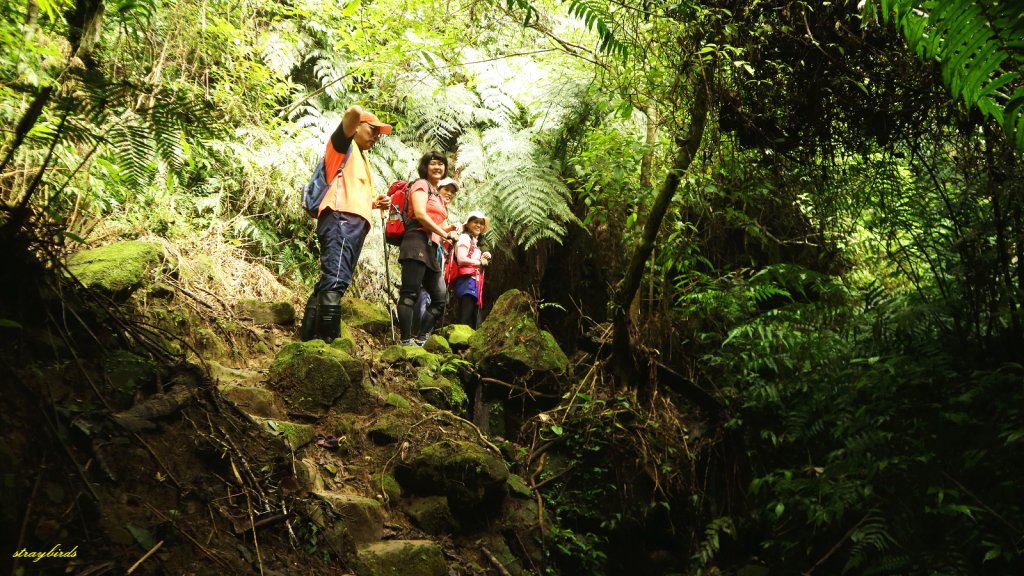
(372,120)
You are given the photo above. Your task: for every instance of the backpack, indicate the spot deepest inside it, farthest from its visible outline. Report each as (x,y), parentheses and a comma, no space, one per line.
(394,230)
(314,191)
(398,217)
(451,266)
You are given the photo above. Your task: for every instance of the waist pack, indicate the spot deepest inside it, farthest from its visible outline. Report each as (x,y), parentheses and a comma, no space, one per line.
(314,191)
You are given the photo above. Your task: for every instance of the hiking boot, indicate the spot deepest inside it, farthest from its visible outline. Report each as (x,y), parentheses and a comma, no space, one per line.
(307,330)
(328,326)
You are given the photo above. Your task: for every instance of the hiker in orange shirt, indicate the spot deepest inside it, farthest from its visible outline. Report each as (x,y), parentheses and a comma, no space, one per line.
(344,219)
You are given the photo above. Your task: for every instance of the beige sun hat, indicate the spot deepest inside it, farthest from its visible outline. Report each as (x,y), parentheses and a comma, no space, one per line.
(479,216)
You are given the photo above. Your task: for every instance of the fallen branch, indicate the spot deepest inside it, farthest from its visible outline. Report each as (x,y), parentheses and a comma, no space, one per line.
(526,391)
(479,433)
(144,556)
(497,563)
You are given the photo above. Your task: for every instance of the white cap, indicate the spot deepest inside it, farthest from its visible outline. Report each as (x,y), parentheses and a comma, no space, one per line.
(448,182)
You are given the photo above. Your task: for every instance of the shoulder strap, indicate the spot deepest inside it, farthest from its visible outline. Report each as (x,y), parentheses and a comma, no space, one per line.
(408,195)
(344,161)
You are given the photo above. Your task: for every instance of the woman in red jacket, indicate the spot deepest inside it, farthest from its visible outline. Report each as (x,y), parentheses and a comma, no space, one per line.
(469,284)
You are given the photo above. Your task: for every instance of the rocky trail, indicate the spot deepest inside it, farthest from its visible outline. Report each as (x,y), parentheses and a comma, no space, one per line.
(262,454)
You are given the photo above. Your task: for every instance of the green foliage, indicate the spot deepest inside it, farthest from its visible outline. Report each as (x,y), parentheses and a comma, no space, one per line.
(977,43)
(605,481)
(595,17)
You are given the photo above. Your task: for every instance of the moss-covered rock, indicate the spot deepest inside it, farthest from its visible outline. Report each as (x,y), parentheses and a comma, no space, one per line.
(253,401)
(116,269)
(509,341)
(260,312)
(401,558)
(457,335)
(472,477)
(499,548)
(386,430)
(209,344)
(517,486)
(346,424)
(292,434)
(307,475)
(441,391)
(366,316)
(393,354)
(397,401)
(346,342)
(432,515)
(126,374)
(227,375)
(388,489)
(312,377)
(436,344)
(521,523)
(414,355)
(363,517)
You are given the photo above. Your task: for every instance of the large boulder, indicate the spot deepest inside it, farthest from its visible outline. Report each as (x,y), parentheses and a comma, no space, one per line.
(472,477)
(312,377)
(401,558)
(252,400)
(441,391)
(365,315)
(116,269)
(363,517)
(432,515)
(509,343)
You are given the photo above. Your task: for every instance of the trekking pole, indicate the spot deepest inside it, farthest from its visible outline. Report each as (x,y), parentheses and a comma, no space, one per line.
(387,275)
(447,285)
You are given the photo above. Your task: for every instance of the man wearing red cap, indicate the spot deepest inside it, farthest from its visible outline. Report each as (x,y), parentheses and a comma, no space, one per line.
(344,218)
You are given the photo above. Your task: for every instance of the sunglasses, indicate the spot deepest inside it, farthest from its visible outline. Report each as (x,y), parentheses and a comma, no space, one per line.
(373,129)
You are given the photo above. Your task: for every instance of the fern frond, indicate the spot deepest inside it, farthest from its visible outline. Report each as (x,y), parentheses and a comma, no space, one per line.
(527,198)
(978,45)
(438,113)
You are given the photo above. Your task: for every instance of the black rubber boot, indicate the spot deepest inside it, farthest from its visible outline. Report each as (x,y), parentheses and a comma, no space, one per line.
(307,331)
(328,326)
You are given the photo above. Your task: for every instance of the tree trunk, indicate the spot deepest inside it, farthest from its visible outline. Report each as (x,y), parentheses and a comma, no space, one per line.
(624,362)
(647,163)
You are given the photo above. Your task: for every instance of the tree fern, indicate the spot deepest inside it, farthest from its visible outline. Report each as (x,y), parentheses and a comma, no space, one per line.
(438,113)
(511,180)
(978,45)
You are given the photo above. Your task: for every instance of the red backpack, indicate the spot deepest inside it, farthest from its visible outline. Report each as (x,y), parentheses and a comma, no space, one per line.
(451,265)
(394,229)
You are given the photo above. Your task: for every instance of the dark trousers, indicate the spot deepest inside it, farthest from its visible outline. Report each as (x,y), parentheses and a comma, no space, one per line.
(469,312)
(416,274)
(341,240)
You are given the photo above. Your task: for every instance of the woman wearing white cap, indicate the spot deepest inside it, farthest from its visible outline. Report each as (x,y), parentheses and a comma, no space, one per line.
(469,284)
(448,188)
